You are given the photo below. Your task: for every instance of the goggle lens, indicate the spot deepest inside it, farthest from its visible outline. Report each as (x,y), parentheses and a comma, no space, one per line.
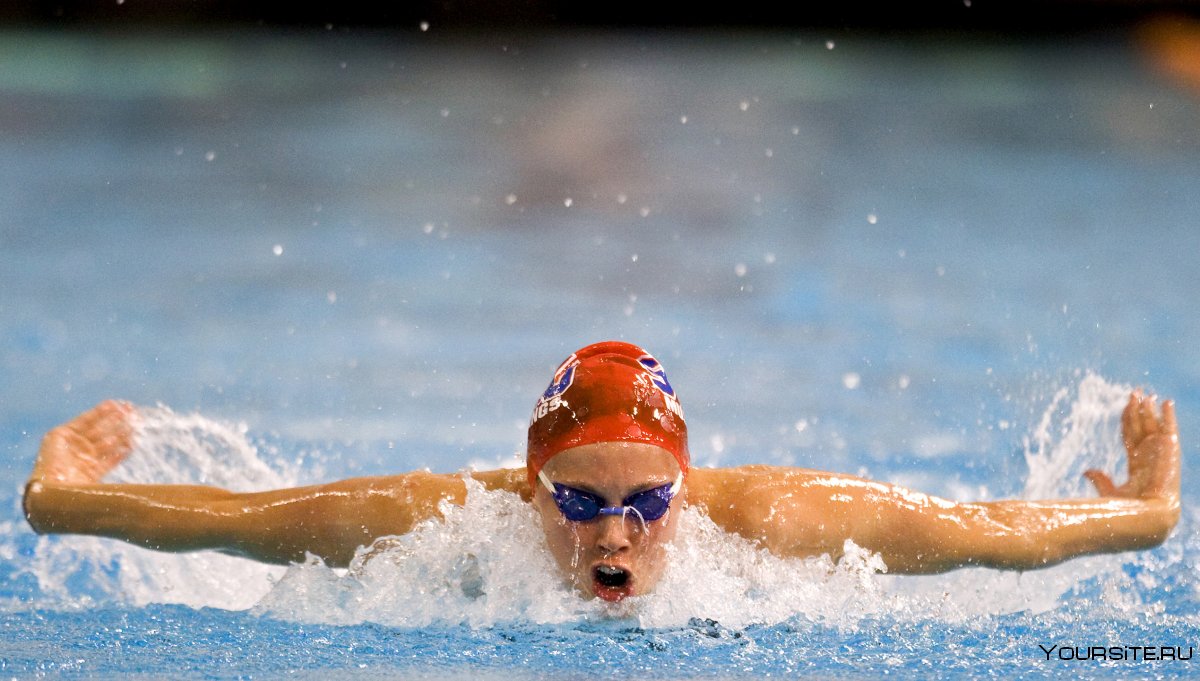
(579,506)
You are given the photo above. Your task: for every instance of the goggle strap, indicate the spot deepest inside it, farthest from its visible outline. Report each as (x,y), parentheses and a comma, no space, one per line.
(546,483)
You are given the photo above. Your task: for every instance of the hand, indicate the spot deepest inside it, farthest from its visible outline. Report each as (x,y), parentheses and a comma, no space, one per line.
(1152,443)
(85,449)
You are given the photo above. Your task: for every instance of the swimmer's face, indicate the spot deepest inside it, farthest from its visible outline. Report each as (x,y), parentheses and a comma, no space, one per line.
(611,556)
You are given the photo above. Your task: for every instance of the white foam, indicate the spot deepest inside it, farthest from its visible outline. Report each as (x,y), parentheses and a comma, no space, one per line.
(487,563)
(484,563)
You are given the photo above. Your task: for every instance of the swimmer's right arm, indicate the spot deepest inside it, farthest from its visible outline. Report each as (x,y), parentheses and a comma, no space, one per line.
(65,494)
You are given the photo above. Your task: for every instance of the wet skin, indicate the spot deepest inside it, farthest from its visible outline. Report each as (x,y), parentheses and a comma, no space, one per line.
(623,545)
(791,512)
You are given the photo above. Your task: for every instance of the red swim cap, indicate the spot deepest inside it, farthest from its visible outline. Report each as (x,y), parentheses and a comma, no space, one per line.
(606,392)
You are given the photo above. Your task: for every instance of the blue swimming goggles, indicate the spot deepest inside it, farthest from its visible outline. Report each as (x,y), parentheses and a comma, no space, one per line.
(580,506)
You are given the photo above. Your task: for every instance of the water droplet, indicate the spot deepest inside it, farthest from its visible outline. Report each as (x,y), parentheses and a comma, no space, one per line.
(851,380)
(277,249)
(872,218)
(683,119)
(424,26)
(744,106)
(568,201)
(829,45)
(210,155)
(740,269)
(510,199)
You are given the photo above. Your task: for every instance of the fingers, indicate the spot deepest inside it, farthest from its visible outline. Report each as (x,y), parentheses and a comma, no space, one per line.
(1167,478)
(1140,419)
(111,429)
(1169,426)
(1102,482)
(104,416)
(1131,426)
(1149,416)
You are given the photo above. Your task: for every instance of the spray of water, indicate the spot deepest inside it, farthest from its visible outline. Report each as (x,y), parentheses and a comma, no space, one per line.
(1080,429)
(170,448)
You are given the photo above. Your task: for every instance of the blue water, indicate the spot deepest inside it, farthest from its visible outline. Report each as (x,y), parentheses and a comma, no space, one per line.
(885,258)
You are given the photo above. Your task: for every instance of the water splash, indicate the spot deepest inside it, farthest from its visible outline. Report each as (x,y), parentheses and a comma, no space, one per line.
(1080,429)
(487,563)
(168,448)
(484,563)
(191,448)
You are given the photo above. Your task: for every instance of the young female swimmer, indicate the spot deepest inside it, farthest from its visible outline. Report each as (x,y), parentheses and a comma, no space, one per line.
(607,468)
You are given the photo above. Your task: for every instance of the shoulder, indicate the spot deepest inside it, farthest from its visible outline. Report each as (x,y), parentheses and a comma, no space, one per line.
(707,483)
(512,480)
(787,510)
(723,492)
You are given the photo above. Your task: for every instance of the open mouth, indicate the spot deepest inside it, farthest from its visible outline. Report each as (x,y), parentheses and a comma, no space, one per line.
(613,577)
(611,583)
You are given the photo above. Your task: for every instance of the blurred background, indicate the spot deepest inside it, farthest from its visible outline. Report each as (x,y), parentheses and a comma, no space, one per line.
(860,235)
(1019,16)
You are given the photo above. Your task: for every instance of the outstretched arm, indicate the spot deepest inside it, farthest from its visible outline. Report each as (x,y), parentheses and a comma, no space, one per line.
(796,512)
(65,494)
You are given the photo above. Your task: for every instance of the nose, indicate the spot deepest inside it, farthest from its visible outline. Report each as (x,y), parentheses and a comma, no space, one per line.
(614,534)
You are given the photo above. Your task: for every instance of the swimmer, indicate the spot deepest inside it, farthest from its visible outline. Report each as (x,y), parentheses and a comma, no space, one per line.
(607,471)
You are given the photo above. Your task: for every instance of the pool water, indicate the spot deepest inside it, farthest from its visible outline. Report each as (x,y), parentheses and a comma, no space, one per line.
(936,262)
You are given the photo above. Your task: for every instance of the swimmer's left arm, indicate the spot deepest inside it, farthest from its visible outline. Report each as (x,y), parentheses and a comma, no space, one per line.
(801,513)
(920,534)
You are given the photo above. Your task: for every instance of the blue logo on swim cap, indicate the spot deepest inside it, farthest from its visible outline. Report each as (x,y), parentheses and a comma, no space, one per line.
(657,374)
(562,379)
